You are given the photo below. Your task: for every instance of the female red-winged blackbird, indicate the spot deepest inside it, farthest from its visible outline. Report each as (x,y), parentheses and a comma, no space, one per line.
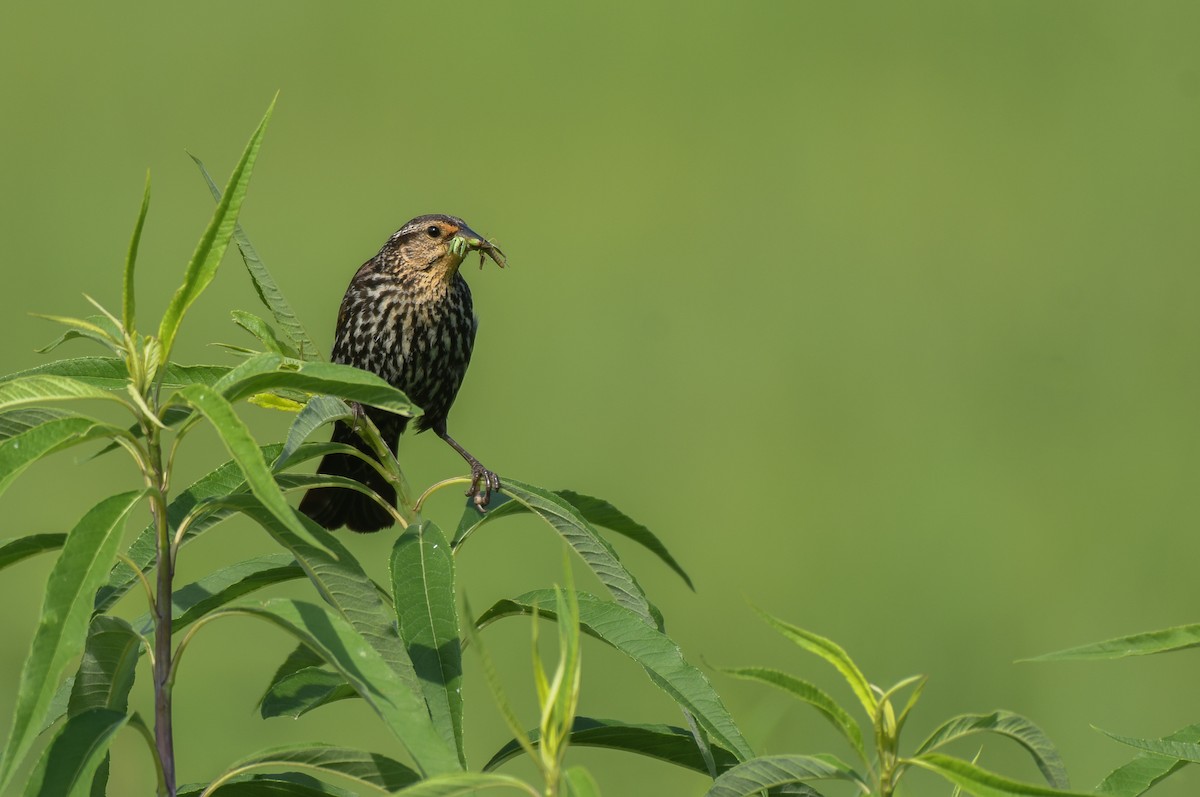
(407,317)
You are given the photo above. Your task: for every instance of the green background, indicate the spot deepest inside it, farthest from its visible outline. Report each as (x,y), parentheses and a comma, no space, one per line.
(882,315)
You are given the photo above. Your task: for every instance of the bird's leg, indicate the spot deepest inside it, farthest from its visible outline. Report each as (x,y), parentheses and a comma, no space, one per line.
(357,413)
(483,481)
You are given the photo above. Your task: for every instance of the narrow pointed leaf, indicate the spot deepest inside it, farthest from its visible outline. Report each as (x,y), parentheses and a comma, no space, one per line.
(86,557)
(265,333)
(654,651)
(365,769)
(400,707)
(1015,727)
(596,511)
(128,303)
(422,570)
(759,774)
(1165,641)
(67,766)
(591,547)
(265,285)
(1147,769)
(832,653)
(20,451)
(100,328)
(319,411)
(111,373)
(37,388)
(662,742)
(599,512)
(211,247)
(106,671)
(465,783)
(982,783)
(806,692)
(192,601)
(16,550)
(241,446)
(107,339)
(1184,751)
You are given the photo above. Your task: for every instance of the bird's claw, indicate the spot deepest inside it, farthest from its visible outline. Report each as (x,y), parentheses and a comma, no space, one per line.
(483,482)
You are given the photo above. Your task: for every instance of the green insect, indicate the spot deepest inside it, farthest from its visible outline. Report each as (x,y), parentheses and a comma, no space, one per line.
(461,244)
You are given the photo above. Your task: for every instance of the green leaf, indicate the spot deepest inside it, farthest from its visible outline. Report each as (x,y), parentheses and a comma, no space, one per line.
(599,512)
(465,783)
(579,783)
(241,446)
(96,328)
(340,580)
(20,451)
(343,381)
(192,601)
(287,784)
(596,511)
(37,388)
(15,550)
(297,693)
(591,547)
(128,304)
(319,411)
(111,372)
(365,769)
(264,332)
(400,707)
(1184,751)
(803,690)
(662,742)
(223,480)
(980,782)
(68,765)
(227,479)
(14,422)
(106,671)
(264,284)
(87,555)
(422,570)
(1014,727)
(832,653)
(1135,777)
(757,774)
(1165,641)
(654,651)
(211,247)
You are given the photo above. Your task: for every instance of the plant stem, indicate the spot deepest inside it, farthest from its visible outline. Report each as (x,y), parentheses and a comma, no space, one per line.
(163,736)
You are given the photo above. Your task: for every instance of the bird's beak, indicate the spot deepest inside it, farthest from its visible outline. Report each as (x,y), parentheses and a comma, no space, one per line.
(468,240)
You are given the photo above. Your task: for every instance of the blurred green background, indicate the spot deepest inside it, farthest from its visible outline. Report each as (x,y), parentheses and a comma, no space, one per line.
(881,315)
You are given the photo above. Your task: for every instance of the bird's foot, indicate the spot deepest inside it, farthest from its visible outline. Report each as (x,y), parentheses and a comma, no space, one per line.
(483,481)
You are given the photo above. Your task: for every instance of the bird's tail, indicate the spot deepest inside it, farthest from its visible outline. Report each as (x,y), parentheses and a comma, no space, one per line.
(332,507)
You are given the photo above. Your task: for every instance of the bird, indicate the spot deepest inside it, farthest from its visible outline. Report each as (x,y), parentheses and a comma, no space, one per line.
(407,317)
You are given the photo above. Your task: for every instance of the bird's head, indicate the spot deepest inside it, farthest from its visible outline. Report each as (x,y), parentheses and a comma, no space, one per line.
(437,244)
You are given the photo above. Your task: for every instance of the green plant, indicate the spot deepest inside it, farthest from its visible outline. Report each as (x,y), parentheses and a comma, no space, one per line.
(1157,759)
(397,647)
(881,766)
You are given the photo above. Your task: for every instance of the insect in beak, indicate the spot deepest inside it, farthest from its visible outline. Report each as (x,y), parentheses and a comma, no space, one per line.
(467,240)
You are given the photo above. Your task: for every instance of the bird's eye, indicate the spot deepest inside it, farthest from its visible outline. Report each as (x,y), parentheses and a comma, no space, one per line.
(433,231)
